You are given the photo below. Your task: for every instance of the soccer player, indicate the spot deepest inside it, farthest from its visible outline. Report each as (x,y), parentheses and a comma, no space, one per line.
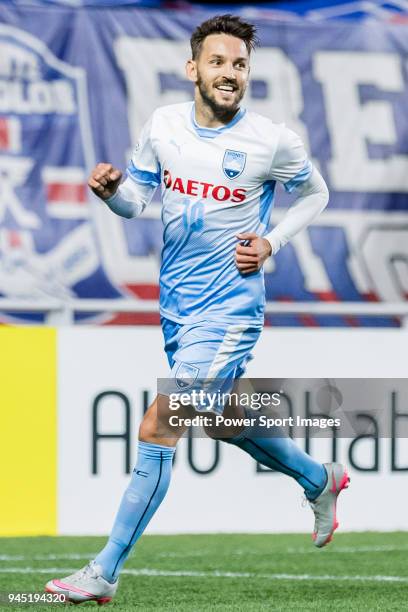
(217,165)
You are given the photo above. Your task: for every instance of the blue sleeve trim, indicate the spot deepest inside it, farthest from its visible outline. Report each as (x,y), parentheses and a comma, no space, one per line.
(300,178)
(143,176)
(266,202)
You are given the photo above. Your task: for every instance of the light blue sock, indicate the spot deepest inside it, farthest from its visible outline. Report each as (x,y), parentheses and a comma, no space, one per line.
(147,488)
(283,455)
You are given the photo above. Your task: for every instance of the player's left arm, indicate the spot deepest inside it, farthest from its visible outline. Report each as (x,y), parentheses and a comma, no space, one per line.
(312,198)
(292,168)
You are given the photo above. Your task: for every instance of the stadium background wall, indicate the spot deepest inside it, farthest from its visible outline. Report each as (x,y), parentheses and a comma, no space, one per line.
(341,86)
(52,381)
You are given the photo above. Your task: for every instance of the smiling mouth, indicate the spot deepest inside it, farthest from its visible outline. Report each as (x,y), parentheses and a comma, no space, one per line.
(226,88)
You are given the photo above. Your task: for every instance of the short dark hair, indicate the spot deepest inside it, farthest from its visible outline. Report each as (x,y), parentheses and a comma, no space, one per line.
(224,24)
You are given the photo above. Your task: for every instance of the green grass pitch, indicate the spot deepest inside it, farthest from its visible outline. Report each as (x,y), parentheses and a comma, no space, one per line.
(188,573)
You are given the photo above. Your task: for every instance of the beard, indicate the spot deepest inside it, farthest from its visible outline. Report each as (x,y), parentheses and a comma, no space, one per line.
(219,109)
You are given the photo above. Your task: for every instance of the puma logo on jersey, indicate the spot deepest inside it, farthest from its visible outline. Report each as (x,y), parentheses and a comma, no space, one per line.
(221,193)
(177,146)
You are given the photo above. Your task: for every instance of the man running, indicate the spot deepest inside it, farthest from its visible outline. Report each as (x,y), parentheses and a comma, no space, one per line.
(217,165)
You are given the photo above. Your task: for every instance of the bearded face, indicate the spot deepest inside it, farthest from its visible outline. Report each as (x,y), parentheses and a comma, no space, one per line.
(222,94)
(222,73)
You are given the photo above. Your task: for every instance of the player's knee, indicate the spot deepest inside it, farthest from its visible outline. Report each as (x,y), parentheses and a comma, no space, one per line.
(213,432)
(223,432)
(229,425)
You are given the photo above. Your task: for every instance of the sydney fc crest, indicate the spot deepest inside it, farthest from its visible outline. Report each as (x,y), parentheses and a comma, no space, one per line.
(233,163)
(186,374)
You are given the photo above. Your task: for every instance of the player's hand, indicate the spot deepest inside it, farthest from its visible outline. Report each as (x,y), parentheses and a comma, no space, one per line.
(104,180)
(252,257)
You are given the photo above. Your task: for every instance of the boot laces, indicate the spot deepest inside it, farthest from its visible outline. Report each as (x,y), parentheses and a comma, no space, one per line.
(88,572)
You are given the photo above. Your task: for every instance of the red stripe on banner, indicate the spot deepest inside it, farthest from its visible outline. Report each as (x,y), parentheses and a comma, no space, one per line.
(327,296)
(146,291)
(14,239)
(304,319)
(308,320)
(371,297)
(135,318)
(400,19)
(331,296)
(66,192)
(351,321)
(4,134)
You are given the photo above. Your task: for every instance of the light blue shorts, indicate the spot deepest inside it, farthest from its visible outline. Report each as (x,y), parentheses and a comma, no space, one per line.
(206,351)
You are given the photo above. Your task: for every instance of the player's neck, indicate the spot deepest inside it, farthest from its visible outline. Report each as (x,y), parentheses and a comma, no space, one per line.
(206,117)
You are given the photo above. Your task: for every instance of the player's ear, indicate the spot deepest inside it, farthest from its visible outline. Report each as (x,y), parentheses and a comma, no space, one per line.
(191,70)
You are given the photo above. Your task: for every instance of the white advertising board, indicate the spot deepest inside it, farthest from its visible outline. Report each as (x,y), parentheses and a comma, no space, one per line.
(107,376)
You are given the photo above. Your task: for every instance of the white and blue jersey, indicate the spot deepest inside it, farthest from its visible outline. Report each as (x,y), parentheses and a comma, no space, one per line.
(215,183)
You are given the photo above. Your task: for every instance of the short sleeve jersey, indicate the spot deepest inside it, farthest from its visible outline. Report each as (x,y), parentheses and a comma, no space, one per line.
(215,183)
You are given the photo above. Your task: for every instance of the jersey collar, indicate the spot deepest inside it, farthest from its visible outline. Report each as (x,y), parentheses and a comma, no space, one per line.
(205,132)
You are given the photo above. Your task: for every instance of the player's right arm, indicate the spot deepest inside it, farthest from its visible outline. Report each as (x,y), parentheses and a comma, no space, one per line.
(130,198)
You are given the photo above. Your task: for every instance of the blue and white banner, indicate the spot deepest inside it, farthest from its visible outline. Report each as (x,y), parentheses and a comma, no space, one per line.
(76,86)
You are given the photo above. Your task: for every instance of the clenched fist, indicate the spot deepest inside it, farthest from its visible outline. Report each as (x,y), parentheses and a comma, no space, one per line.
(104,180)
(251,258)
